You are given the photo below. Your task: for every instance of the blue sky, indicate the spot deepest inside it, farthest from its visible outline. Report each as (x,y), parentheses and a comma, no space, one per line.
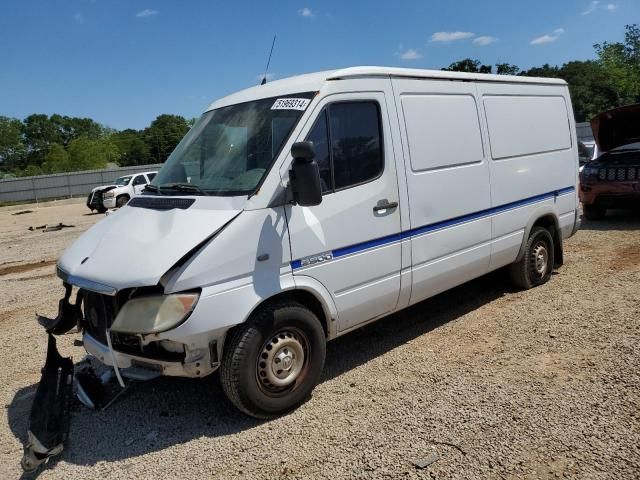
(123,62)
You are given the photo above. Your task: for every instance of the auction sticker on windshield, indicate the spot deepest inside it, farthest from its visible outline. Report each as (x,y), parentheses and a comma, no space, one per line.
(290,104)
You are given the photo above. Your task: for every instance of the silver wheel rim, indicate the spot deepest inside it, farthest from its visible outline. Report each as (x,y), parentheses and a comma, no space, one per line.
(282,361)
(539,259)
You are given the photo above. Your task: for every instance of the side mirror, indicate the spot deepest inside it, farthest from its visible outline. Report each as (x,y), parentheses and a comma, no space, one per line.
(304,175)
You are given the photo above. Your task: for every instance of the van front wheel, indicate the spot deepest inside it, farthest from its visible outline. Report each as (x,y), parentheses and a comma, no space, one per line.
(122,200)
(536,265)
(272,363)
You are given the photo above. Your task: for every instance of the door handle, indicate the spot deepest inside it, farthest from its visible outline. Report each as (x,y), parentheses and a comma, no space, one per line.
(384,205)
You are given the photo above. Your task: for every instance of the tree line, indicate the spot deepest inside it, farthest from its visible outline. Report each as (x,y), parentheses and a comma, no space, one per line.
(42,144)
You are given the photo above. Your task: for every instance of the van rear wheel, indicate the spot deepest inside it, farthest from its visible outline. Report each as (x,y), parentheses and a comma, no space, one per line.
(536,265)
(272,363)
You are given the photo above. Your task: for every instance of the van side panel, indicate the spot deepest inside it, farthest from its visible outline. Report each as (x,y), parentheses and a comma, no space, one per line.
(533,161)
(447,182)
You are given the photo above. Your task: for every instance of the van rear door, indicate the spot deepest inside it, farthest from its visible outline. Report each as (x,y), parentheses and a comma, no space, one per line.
(351,241)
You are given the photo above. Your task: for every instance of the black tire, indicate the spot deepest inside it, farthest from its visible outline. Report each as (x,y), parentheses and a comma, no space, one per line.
(592,212)
(536,264)
(122,200)
(252,354)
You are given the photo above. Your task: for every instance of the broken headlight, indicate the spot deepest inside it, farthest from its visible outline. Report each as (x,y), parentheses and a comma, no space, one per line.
(154,314)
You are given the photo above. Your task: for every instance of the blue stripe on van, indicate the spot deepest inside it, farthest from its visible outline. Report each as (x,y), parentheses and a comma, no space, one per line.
(351,249)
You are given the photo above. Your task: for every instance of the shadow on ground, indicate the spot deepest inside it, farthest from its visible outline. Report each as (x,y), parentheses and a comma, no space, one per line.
(155,415)
(615,220)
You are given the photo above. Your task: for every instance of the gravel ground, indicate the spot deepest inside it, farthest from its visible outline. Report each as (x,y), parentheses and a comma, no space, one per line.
(497,383)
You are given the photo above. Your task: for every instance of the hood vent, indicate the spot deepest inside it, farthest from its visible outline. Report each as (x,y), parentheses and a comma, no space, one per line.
(161,203)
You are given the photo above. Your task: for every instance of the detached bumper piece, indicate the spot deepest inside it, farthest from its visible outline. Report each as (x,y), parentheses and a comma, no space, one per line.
(69,315)
(49,420)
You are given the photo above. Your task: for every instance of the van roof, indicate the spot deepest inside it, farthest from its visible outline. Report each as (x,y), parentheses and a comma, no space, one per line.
(313,81)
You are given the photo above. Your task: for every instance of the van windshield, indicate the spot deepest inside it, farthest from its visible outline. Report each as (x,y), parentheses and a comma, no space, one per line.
(230,149)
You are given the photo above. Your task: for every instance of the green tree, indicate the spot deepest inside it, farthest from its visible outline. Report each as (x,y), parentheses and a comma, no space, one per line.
(57,160)
(12,149)
(70,128)
(545,70)
(87,154)
(39,132)
(132,147)
(163,135)
(621,60)
(507,69)
(468,65)
(30,171)
(591,89)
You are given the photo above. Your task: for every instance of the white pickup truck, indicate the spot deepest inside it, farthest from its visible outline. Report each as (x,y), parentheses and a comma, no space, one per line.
(119,193)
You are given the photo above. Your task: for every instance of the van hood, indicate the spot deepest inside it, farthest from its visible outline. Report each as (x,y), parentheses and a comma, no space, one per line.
(135,246)
(617,127)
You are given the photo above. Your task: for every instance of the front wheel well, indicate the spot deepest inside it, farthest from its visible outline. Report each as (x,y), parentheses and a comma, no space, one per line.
(303,297)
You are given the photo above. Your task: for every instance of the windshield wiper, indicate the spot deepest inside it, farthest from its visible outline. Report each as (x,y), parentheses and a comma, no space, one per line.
(150,188)
(182,187)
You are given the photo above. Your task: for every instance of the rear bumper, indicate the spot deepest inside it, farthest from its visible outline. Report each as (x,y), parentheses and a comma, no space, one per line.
(195,366)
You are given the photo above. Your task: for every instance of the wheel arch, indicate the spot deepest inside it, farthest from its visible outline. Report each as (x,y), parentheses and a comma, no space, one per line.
(310,293)
(547,218)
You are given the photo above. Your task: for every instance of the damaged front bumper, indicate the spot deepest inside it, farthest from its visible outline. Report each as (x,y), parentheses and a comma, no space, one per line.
(198,362)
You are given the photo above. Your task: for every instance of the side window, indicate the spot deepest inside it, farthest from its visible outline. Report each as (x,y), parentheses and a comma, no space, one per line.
(355,142)
(348,145)
(151,176)
(139,180)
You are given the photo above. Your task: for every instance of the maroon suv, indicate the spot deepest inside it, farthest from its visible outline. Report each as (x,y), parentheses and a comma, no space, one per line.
(613,179)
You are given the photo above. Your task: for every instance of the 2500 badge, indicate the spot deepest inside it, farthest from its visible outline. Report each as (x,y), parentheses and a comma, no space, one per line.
(323,257)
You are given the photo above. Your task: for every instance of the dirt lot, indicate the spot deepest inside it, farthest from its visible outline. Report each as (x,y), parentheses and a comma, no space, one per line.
(499,383)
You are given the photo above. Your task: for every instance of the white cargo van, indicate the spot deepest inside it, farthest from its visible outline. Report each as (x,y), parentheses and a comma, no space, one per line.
(297,211)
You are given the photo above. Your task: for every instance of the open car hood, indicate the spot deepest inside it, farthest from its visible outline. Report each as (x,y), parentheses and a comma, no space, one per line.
(135,246)
(617,127)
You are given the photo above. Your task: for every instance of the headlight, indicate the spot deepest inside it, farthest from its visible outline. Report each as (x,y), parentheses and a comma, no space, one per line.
(154,314)
(108,195)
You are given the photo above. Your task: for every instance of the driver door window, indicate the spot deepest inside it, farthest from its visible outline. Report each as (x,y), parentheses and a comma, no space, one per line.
(348,145)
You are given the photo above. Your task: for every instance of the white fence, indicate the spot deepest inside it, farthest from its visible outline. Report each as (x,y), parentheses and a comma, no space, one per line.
(62,185)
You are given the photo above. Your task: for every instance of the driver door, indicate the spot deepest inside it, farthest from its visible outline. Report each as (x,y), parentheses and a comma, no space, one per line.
(351,241)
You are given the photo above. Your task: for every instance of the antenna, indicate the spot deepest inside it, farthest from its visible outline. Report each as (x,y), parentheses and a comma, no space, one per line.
(264,79)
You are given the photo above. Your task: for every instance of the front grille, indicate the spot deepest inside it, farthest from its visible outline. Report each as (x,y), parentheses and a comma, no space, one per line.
(99,313)
(619,174)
